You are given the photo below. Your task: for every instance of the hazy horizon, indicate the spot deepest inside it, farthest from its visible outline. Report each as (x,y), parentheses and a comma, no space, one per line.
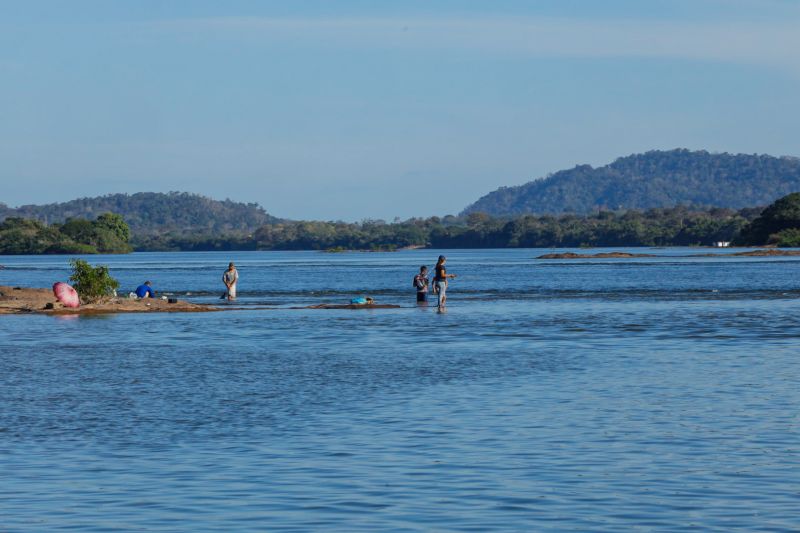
(360,110)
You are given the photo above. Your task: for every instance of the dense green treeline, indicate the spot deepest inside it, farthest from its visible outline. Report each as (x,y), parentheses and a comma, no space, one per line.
(107,234)
(778,224)
(655,227)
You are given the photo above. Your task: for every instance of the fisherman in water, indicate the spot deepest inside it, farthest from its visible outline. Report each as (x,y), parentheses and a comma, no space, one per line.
(421,284)
(230,278)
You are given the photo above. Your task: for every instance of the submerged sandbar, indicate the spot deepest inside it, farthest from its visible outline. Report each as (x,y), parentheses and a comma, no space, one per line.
(768,252)
(601,255)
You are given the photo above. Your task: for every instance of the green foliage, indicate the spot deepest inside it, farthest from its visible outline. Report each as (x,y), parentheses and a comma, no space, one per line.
(114,224)
(152,213)
(108,234)
(19,236)
(367,235)
(92,283)
(788,238)
(655,227)
(775,220)
(651,180)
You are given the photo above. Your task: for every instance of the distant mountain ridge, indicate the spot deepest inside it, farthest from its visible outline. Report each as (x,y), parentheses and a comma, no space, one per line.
(651,180)
(150,212)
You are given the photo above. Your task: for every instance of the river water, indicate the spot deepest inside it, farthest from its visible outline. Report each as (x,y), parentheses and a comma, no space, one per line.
(577,395)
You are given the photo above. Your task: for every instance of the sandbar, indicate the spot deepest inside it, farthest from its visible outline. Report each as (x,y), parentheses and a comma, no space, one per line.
(22,300)
(349,306)
(768,252)
(601,255)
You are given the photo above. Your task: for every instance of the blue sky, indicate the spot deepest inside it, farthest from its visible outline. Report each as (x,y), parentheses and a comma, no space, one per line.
(354,109)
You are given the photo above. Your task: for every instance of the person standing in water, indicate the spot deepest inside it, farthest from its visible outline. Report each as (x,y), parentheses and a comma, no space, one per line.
(421,284)
(230,278)
(441,280)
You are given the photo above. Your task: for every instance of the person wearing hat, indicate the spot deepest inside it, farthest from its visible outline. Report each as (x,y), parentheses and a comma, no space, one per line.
(440,281)
(230,278)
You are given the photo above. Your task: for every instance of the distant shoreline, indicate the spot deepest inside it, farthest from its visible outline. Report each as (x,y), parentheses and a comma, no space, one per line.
(766,250)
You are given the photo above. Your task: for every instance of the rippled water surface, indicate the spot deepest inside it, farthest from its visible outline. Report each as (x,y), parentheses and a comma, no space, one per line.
(592,395)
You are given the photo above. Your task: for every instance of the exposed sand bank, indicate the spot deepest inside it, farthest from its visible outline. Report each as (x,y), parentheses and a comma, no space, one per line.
(24,300)
(18,300)
(602,255)
(772,252)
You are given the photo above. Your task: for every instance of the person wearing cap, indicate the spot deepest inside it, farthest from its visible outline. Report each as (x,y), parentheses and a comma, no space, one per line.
(440,281)
(230,278)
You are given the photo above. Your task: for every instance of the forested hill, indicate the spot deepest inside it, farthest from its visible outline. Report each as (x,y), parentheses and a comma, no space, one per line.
(148,212)
(651,180)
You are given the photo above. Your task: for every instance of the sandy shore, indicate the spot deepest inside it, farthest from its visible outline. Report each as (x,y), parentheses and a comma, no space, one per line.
(19,300)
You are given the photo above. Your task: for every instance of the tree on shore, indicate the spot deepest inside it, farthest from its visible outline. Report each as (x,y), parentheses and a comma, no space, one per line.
(778,224)
(108,234)
(91,283)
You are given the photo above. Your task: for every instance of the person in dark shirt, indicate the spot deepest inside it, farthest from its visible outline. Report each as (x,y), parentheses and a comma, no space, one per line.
(440,281)
(145,290)
(421,284)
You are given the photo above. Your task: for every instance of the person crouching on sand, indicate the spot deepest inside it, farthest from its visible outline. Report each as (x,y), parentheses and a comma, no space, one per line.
(230,278)
(145,290)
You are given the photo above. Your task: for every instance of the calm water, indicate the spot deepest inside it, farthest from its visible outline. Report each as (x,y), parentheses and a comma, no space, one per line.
(655,394)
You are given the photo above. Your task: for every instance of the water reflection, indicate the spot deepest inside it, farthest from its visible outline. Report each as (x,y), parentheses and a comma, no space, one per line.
(68,317)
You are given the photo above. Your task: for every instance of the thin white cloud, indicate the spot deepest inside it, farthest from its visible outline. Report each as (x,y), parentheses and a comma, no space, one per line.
(772,44)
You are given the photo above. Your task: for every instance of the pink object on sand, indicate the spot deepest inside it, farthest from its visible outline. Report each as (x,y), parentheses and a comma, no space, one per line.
(66,294)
